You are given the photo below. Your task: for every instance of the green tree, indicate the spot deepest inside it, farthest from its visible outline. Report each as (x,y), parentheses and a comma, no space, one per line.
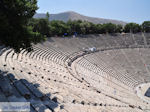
(47,16)
(146,26)
(132,28)
(84,26)
(59,27)
(14,29)
(109,28)
(99,28)
(41,25)
(75,26)
(119,28)
(93,28)
(89,27)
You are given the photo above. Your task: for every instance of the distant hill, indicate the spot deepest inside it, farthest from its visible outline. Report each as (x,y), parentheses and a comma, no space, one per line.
(65,16)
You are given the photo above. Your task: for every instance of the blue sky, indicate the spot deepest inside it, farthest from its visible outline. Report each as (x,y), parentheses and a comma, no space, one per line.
(125,10)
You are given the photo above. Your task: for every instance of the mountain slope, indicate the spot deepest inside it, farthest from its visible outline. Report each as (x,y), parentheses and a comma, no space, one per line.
(65,16)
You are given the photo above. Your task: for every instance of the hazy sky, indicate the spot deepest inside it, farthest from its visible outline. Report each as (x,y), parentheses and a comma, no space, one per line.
(126,10)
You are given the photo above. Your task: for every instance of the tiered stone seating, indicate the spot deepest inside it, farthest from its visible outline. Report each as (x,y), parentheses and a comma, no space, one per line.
(130,66)
(111,87)
(129,40)
(102,80)
(139,39)
(24,89)
(21,93)
(147,36)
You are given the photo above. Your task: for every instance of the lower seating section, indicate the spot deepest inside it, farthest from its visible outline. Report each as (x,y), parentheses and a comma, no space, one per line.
(14,90)
(65,88)
(98,81)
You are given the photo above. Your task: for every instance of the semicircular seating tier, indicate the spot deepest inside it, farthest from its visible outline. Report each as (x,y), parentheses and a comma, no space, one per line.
(63,74)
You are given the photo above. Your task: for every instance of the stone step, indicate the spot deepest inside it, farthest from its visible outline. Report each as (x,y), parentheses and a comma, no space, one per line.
(38,105)
(5,86)
(11,77)
(3,97)
(22,89)
(32,88)
(16,99)
(14,90)
(51,104)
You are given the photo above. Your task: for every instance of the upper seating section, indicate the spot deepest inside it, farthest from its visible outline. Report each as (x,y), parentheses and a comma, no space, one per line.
(74,44)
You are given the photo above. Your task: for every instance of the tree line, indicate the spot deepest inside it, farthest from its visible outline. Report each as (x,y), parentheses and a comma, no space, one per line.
(60,28)
(18,30)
